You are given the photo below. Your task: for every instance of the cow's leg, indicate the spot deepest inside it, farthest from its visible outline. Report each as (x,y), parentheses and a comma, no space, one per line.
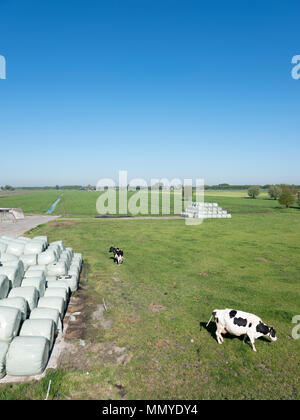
(251,338)
(220,328)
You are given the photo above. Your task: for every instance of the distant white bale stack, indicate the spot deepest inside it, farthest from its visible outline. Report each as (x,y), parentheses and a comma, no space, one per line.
(27,356)
(205,211)
(5,286)
(10,320)
(17,302)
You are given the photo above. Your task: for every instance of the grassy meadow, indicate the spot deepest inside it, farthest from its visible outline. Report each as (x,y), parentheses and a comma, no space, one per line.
(74,203)
(152,342)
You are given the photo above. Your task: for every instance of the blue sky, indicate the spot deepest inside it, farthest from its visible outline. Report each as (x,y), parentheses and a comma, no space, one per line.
(160,88)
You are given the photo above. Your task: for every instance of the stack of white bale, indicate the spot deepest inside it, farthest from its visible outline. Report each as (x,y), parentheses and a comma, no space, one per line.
(36,281)
(205,211)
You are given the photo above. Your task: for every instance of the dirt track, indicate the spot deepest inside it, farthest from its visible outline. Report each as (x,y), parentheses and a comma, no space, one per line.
(21,226)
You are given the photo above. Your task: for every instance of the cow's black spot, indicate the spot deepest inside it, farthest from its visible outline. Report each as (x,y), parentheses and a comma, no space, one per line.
(250,325)
(262,328)
(217,320)
(241,322)
(232,313)
(273,332)
(214,313)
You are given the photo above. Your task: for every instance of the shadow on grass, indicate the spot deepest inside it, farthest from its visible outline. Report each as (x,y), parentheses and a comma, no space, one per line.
(211,328)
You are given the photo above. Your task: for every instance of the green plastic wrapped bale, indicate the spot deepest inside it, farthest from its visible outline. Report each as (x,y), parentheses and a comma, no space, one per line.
(30,293)
(27,356)
(17,302)
(54,302)
(38,282)
(5,285)
(3,352)
(10,320)
(48,313)
(39,327)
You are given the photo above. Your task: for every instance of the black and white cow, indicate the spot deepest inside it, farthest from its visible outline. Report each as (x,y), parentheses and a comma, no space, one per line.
(118,254)
(239,323)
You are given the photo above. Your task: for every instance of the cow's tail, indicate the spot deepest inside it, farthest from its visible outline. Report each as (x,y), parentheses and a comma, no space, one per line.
(212,316)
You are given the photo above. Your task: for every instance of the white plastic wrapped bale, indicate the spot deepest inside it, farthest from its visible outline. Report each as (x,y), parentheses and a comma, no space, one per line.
(60,283)
(77,257)
(42,238)
(75,267)
(39,327)
(27,356)
(47,257)
(17,302)
(28,260)
(48,313)
(56,249)
(3,352)
(3,248)
(54,302)
(58,243)
(70,250)
(13,274)
(33,247)
(72,280)
(38,282)
(57,269)
(38,267)
(10,320)
(16,264)
(5,285)
(58,292)
(38,273)
(8,258)
(29,293)
(16,248)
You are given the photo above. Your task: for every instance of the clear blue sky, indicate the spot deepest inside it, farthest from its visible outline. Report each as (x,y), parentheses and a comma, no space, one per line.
(161,88)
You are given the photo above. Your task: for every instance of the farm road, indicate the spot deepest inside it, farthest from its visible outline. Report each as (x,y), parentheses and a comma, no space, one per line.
(21,226)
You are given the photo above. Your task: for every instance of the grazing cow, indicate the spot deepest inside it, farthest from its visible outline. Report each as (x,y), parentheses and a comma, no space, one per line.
(118,254)
(239,323)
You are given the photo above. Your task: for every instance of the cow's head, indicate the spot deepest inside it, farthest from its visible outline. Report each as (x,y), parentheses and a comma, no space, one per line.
(272,334)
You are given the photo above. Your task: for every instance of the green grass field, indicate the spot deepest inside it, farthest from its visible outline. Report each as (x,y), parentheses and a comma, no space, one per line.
(83,204)
(158,301)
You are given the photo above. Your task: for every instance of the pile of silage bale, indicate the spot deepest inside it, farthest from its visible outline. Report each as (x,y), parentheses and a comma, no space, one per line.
(36,282)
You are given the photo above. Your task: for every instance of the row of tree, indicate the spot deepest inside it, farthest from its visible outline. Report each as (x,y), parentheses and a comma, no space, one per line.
(285,194)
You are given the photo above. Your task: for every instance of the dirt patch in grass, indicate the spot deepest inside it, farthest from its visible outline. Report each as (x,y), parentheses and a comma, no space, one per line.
(154,307)
(64,224)
(262,259)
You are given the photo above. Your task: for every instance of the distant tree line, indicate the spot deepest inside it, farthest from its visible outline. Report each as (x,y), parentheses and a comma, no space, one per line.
(285,194)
